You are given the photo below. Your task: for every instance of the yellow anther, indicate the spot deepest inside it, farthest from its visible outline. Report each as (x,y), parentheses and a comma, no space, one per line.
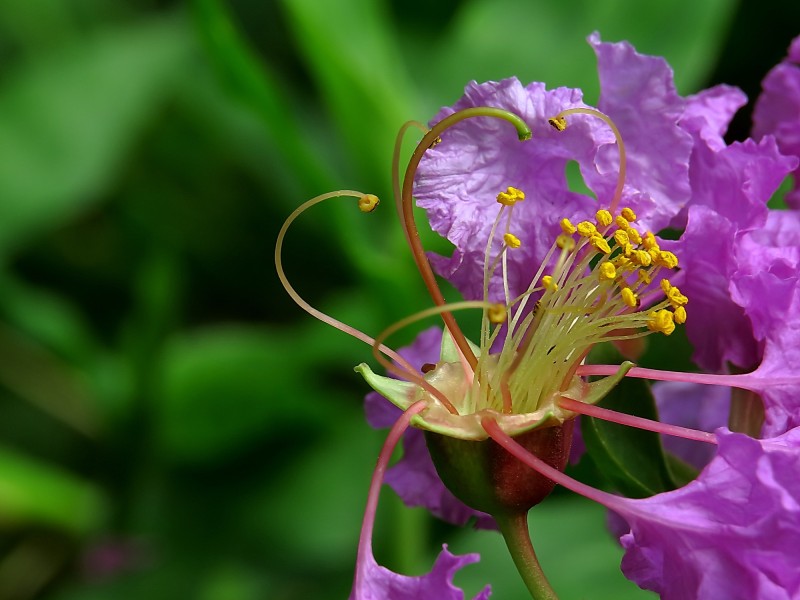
(642,257)
(644,277)
(548,283)
(661,321)
(629,297)
(649,241)
(565,242)
(622,222)
(623,264)
(436,141)
(604,218)
(511,196)
(621,237)
(627,249)
(679,315)
(667,259)
(607,272)
(368,202)
(511,240)
(634,236)
(567,227)
(586,229)
(628,214)
(675,297)
(666,286)
(497,313)
(559,123)
(599,242)
(655,254)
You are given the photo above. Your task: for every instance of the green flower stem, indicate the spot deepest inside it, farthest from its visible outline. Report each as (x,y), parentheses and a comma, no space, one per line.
(515,531)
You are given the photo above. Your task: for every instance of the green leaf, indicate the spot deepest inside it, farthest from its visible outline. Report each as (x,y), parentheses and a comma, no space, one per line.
(68,120)
(225,387)
(353,53)
(545,41)
(34,493)
(632,459)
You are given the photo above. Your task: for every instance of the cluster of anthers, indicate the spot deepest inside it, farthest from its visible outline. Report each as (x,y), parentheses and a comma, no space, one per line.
(602,276)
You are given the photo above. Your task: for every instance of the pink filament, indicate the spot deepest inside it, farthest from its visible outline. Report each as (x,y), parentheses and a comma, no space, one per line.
(395,433)
(639,422)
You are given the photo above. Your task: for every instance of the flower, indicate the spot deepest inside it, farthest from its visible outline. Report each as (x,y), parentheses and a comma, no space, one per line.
(552,276)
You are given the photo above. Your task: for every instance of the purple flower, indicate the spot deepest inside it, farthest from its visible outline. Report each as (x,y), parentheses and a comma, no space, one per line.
(777,111)
(731,533)
(375,582)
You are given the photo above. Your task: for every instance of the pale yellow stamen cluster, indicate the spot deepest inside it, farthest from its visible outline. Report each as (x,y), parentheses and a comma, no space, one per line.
(594,283)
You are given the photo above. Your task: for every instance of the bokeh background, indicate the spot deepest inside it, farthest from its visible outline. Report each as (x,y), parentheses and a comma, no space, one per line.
(171,425)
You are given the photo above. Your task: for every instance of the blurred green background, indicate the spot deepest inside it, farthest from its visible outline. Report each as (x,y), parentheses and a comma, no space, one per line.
(171,425)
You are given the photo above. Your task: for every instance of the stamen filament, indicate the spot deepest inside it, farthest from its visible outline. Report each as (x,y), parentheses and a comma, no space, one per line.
(352,331)
(743,381)
(398,144)
(620,145)
(638,422)
(523,132)
(368,524)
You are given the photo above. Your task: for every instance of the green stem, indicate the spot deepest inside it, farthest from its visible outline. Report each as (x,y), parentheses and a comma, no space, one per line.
(515,531)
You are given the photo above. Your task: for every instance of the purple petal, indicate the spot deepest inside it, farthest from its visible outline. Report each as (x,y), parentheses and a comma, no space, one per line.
(458,181)
(638,93)
(709,112)
(413,477)
(374,582)
(732,533)
(777,111)
(767,285)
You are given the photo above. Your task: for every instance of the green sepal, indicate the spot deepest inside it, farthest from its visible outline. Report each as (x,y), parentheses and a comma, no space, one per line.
(595,391)
(436,418)
(449,350)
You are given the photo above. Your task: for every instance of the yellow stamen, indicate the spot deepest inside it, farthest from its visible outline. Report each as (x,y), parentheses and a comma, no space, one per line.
(627,213)
(666,285)
(511,196)
(368,202)
(497,313)
(607,272)
(644,277)
(629,298)
(622,222)
(560,123)
(621,237)
(649,242)
(511,240)
(604,218)
(642,258)
(567,227)
(667,259)
(586,229)
(565,242)
(675,297)
(661,321)
(680,315)
(634,236)
(600,243)
(548,283)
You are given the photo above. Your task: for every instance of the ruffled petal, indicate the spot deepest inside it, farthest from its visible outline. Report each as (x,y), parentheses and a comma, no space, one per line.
(731,533)
(374,582)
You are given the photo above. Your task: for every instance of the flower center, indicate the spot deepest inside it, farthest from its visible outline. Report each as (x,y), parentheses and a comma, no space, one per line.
(590,287)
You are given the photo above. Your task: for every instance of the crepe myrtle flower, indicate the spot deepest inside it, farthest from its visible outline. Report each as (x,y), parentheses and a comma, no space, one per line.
(554,274)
